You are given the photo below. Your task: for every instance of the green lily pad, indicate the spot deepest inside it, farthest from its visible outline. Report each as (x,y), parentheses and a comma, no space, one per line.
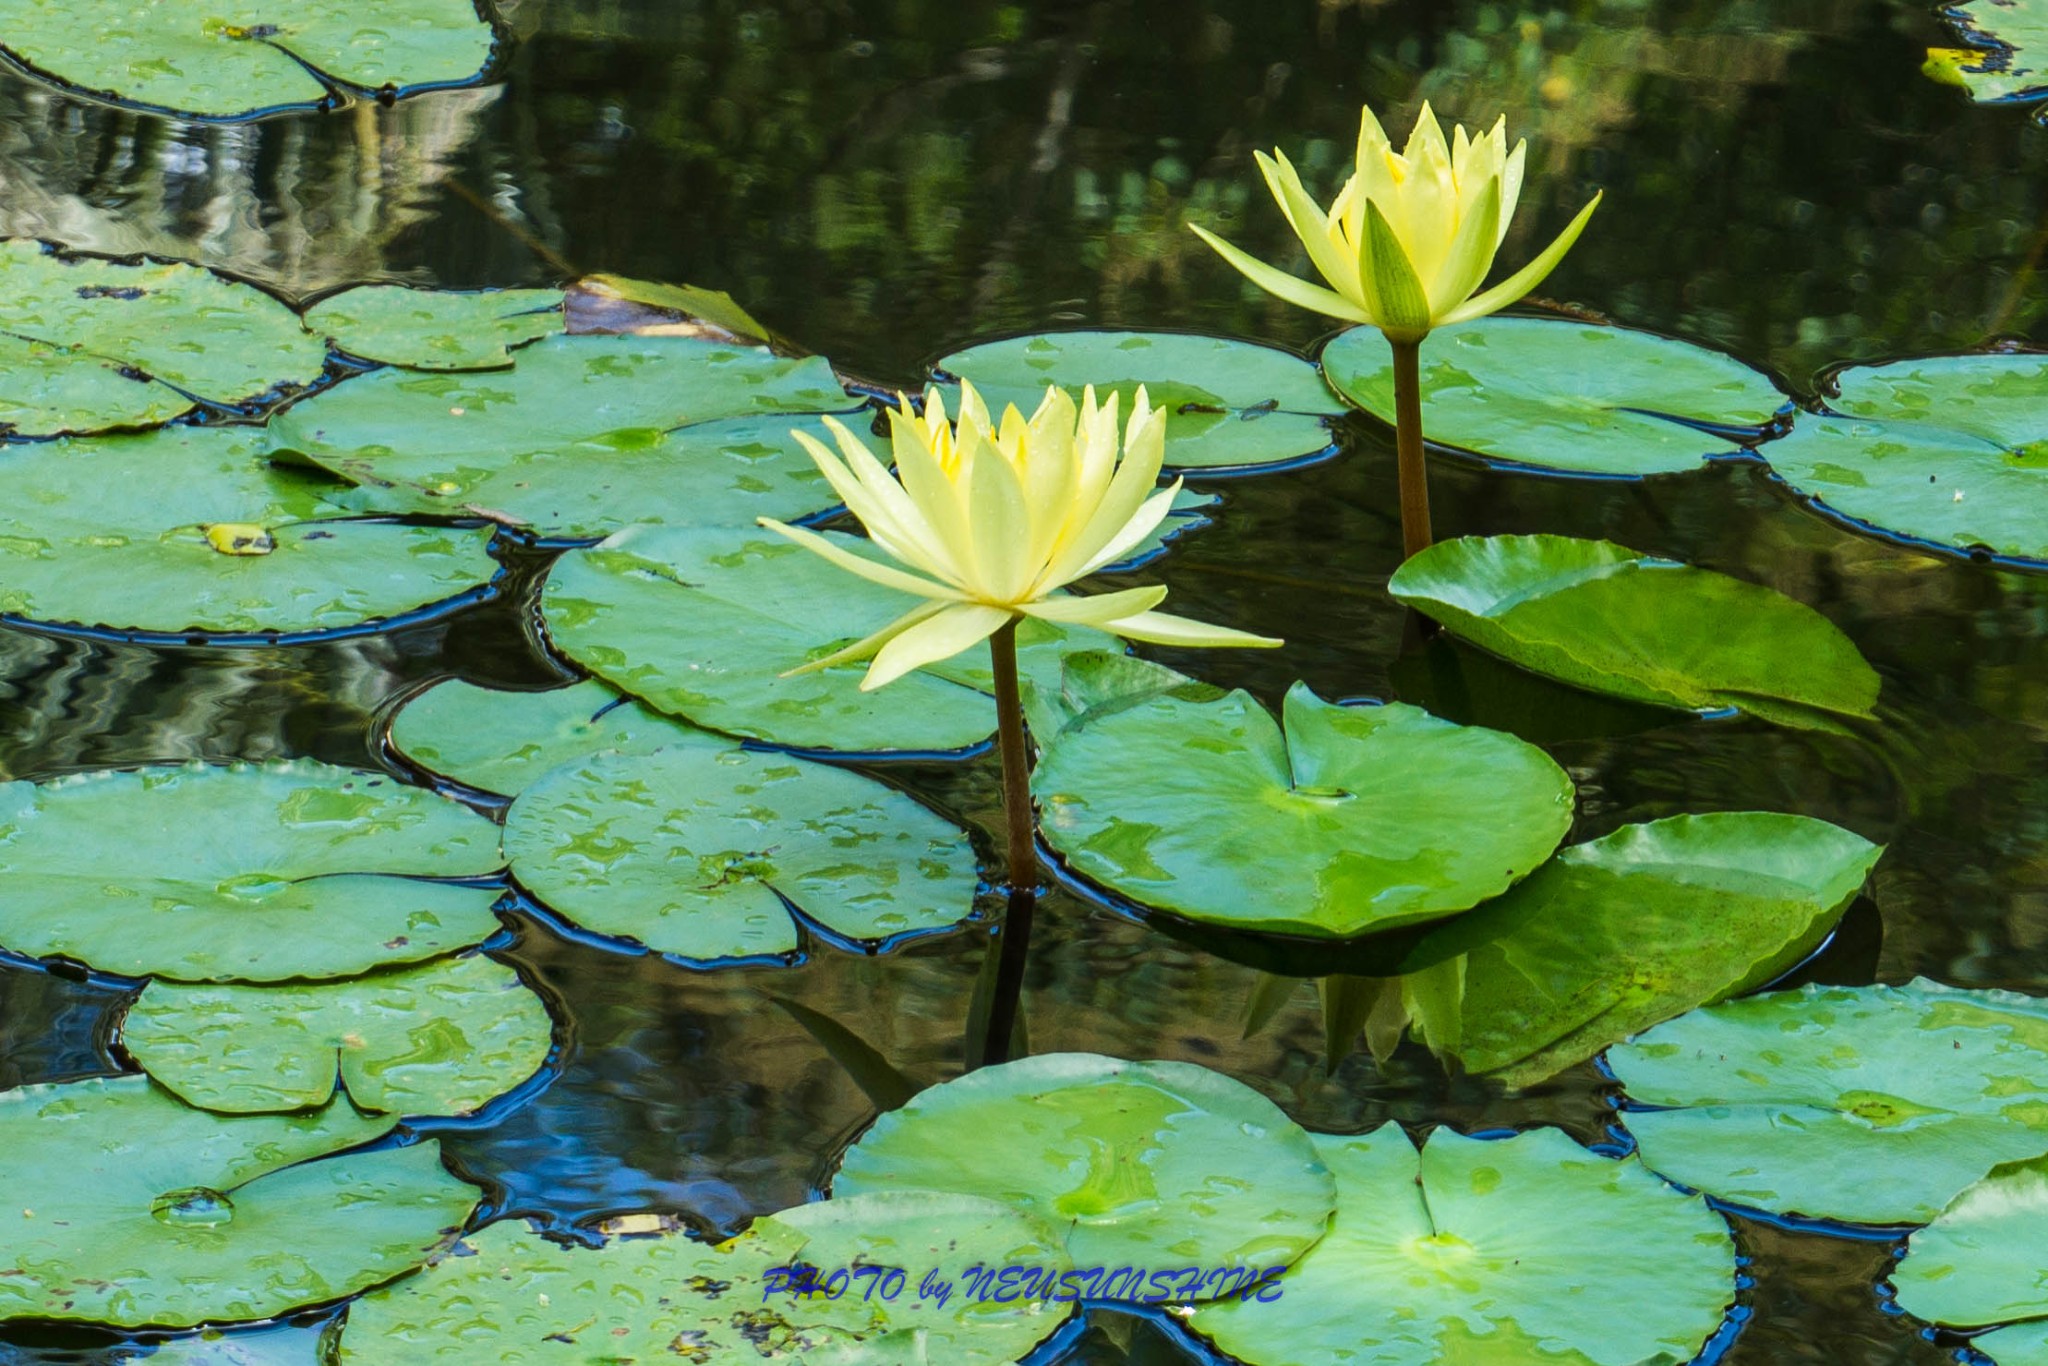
(432,329)
(1602,617)
(1565,395)
(620,304)
(1156,1164)
(496,741)
(259,1347)
(1627,931)
(1347,821)
(88,344)
(1228,403)
(240,873)
(1525,1251)
(701,851)
(703,622)
(1980,1261)
(2013,35)
(1951,451)
(1872,1105)
(114,532)
(2021,1344)
(519,1299)
(441,1039)
(237,58)
(128,1208)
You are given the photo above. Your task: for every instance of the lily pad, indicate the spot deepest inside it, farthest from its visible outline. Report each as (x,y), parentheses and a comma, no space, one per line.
(1560,394)
(1158,1164)
(1951,451)
(704,622)
(432,329)
(2021,1344)
(1347,821)
(441,1039)
(1981,1260)
(1627,931)
(286,1346)
(125,532)
(88,344)
(649,308)
(2009,60)
(1602,617)
(131,1209)
(519,1299)
(240,873)
(497,741)
(1871,1105)
(1524,1251)
(238,58)
(702,851)
(1229,404)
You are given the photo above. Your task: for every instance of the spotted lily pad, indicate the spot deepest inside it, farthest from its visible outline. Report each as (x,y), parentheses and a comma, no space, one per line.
(1524,1251)
(432,329)
(1873,1105)
(700,851)
(521,1300)
(1981,1261)
(236,58)
(2009,56)
(1158,1164)
(1333,822)
(497,741)
(190,531)
(88,344)
(1948,450)
(126,1207)
(240,873)
(1565,395)
(1602,617)
(1229,404)
(440,1039)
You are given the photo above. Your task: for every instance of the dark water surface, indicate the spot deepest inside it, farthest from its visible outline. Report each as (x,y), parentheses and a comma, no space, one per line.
(883,181)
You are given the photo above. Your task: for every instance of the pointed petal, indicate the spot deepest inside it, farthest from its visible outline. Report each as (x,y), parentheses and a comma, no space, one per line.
(1163,628)
(867,645)
(999,523)
(1528,277)
(1471,254)
(1279,283)
(1310,226)
(1122,503)
(958,627)
(1391,289)
(1097,608)
(1142,524)
(874,572)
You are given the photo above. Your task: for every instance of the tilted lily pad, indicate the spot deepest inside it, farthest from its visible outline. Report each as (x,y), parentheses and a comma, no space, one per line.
(498,741)
(127,532)
(440,1039)
(649,308)
(2010,59)
(127,1207)
(240,873)
(520,1300)
(1566,395)
(699,851)
(1228,403)
(1137,1163)
(1948,450)
(1981,1260)
(432,329)
(1604,618)
(1627,931)
(241,57)
(88,344)
(1874,1105)
(1347,821)
(704,623)
(1525,1251)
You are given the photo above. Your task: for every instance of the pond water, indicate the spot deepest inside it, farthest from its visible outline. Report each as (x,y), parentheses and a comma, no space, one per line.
(885,182)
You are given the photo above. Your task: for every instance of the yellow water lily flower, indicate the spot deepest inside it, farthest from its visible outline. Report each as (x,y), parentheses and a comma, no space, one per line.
(1412,235)
(989,521)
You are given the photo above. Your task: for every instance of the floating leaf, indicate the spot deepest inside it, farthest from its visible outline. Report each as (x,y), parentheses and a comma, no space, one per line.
(432,329)
(704,622)
(1566,395)
(240,873)
(498,741)
(1355,819)
(1948,450)
(1627,931)
(1228,403)
(1980,1261)
(643,308)
(700,852)
(237,58)
(1604,618)
(1524,1251)
(2011,38)
(88,344)
(259,1347)
(1095,682)
(1874,1105)
(120,532)
(1159,1164)
(2023,1344)
(136,1210)
(519,1299)
(440,1039)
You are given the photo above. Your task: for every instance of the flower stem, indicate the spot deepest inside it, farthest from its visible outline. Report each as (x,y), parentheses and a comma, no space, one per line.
(1414,473)
(1015,941)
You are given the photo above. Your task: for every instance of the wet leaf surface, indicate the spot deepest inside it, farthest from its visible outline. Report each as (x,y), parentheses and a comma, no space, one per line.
(2011,38)
(1980,1261)
(431,329)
